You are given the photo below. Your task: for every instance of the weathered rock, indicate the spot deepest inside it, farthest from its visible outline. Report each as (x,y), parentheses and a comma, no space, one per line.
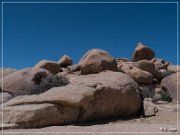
(125,66)
(150,109)
(174,68)
(107,94)
(171,84)
(160,64)
(23,81)
(65,61)
(146,65)
(30,81)
(97,60)
(4,97)
(6,71)
(51,66)
(73,68)
(142,52)
(141,76)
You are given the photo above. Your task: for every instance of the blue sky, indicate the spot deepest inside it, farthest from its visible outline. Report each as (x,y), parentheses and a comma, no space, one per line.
(48,31)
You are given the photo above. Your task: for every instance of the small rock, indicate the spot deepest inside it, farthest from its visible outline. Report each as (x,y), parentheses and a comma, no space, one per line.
(65,61)
(150,109)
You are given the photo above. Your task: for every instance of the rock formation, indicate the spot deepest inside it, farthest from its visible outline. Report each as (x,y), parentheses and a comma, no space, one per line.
(99,86)
(107,94)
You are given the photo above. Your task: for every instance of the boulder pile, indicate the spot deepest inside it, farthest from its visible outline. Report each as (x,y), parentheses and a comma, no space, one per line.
(99,86)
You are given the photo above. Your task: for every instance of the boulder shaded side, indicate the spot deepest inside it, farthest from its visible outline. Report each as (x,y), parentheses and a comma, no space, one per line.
(171,85)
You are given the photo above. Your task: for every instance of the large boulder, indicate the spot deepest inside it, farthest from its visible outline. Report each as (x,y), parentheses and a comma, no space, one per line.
(30,81)
(23,81)
(141,76)
(87,97)
(65,61)
(142,52)
(51,66)
(6,71)
(171,85)
(97,60)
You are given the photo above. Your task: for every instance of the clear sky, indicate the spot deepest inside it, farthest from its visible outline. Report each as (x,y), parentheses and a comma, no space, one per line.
(33,32)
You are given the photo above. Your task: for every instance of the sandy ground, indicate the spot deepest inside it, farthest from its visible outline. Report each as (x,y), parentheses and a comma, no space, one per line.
(168,116)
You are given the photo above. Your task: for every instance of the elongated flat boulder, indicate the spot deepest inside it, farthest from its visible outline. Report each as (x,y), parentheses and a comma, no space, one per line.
(87,97)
